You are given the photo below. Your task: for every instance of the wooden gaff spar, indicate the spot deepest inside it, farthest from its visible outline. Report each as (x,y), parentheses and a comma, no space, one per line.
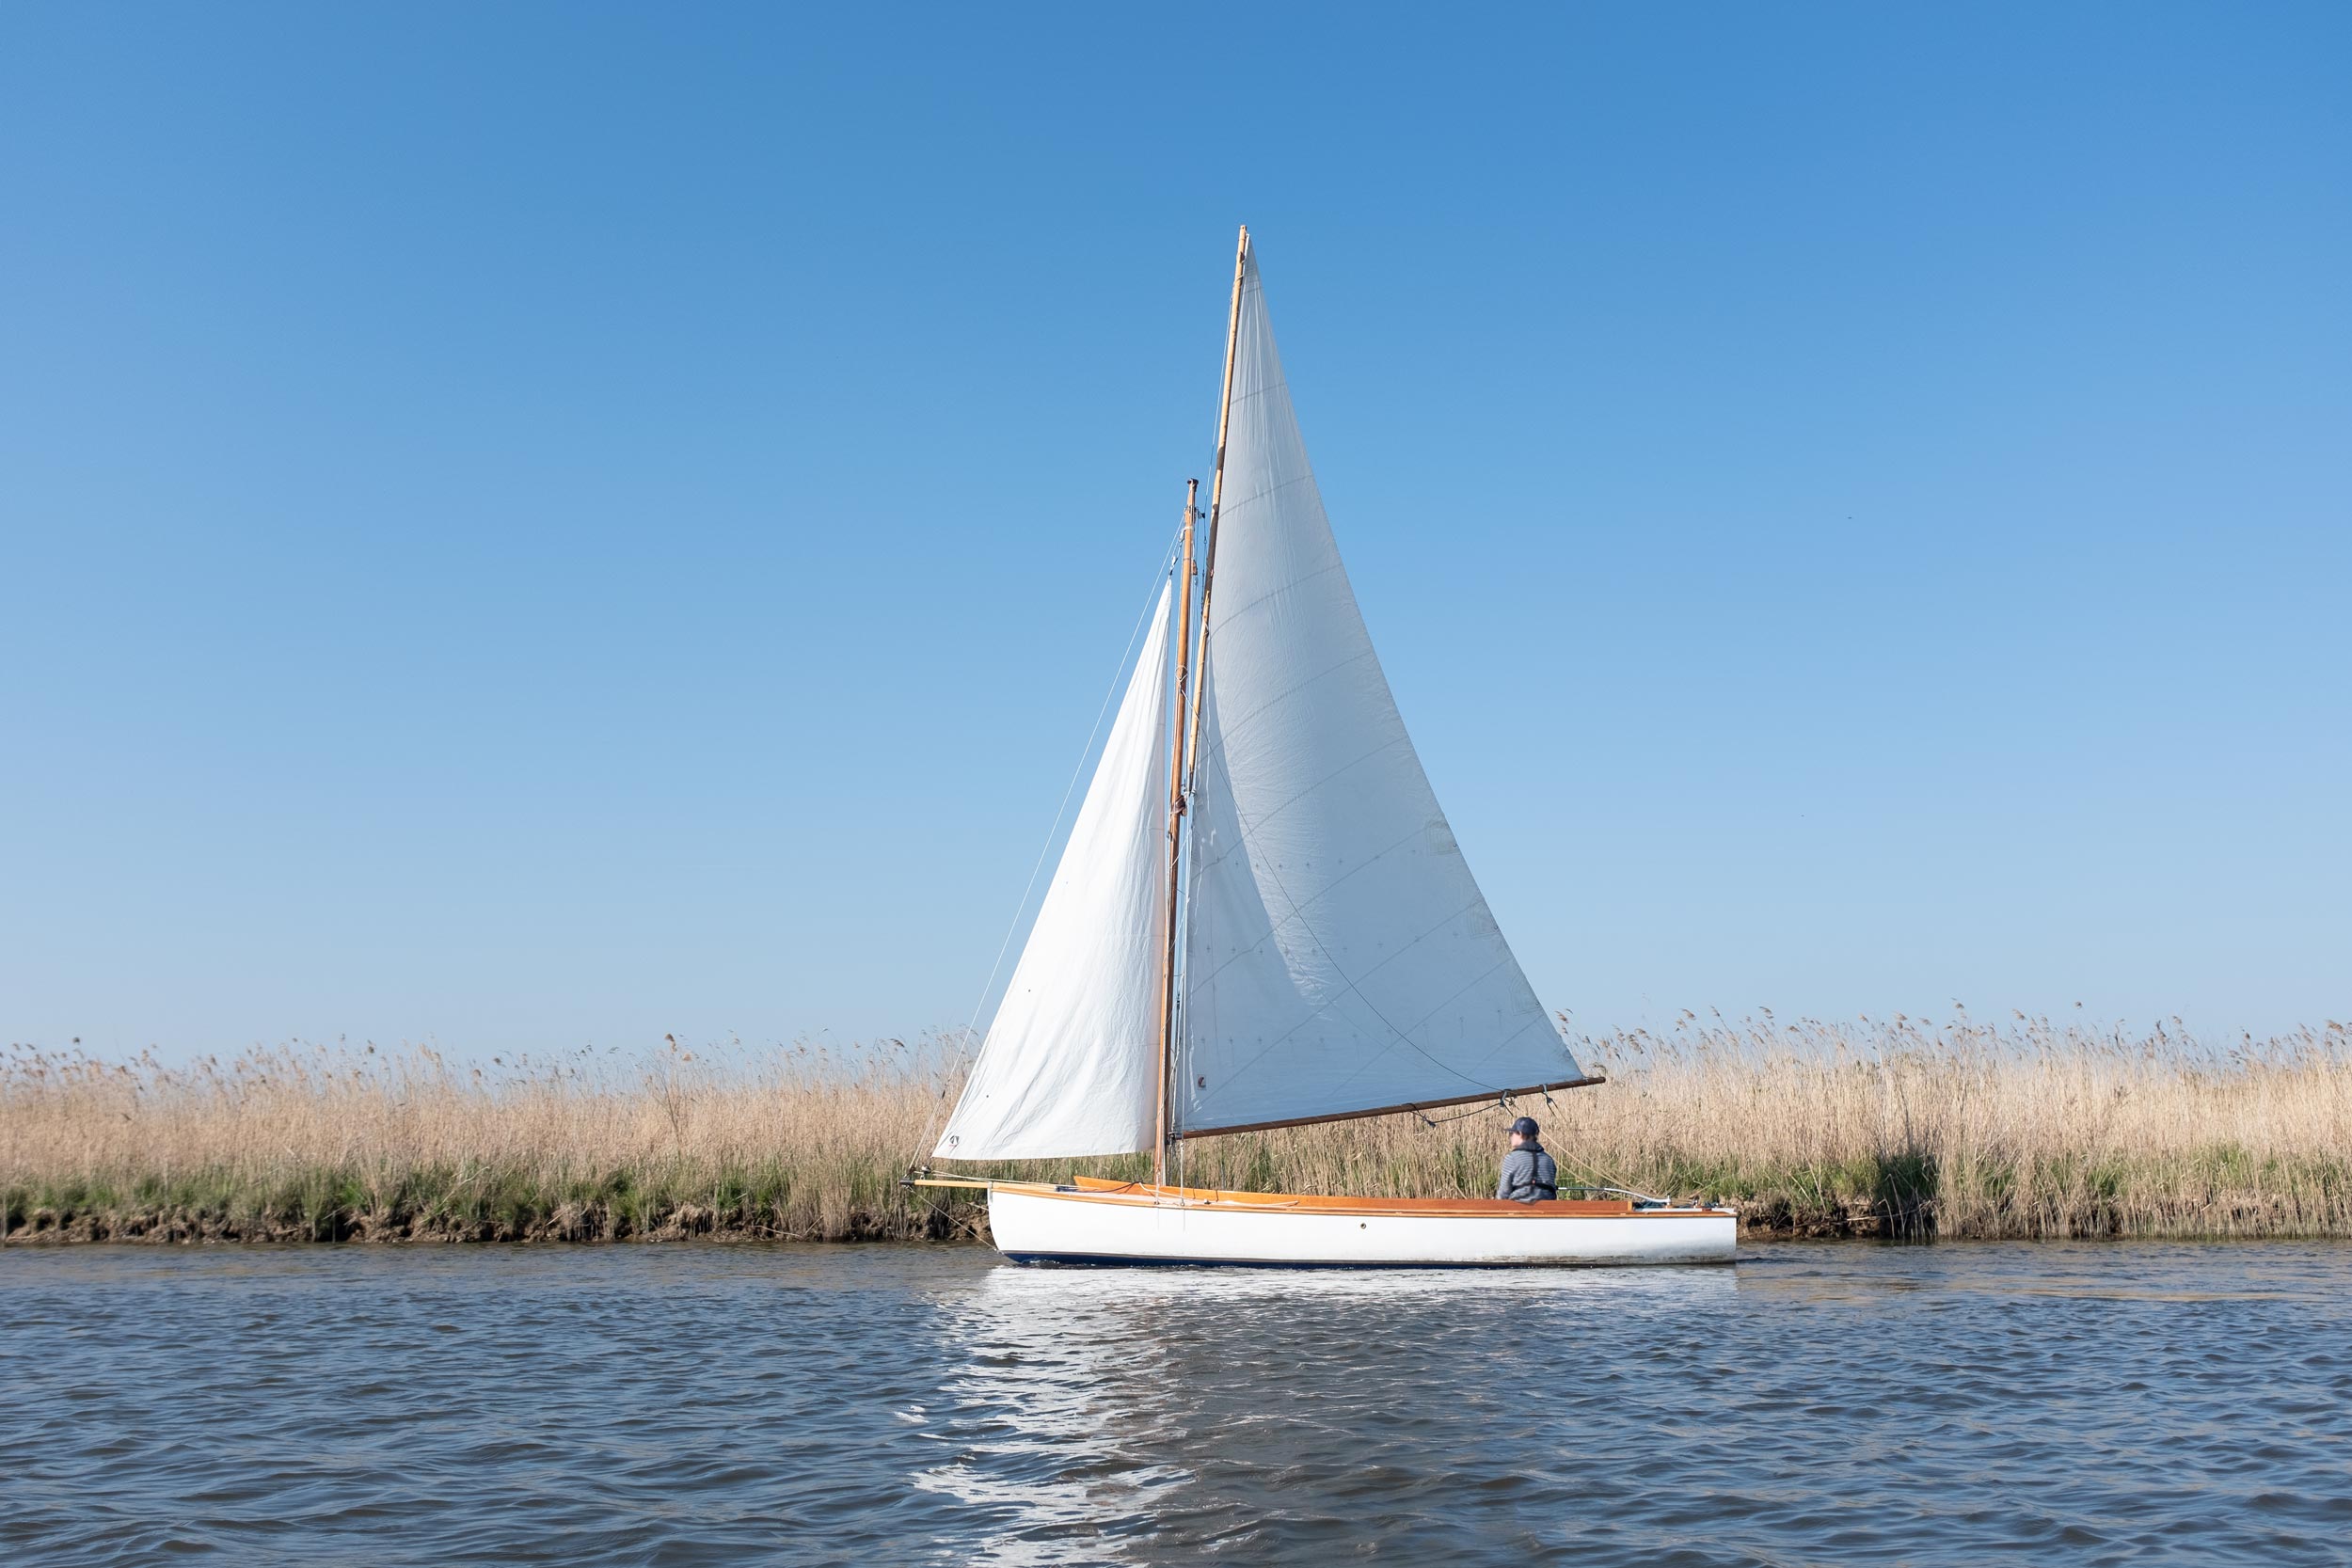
(1261,919)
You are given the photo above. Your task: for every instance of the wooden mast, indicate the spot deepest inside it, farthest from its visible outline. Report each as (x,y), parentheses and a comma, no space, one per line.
(1184,757)
(1176,782)
(1184,746)
(1216,487)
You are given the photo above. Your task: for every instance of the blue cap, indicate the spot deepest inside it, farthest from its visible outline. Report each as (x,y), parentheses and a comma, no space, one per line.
(1524,1127)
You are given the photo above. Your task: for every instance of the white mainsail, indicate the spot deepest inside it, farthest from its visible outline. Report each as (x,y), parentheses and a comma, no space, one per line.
(1070,1063)
(1339,957)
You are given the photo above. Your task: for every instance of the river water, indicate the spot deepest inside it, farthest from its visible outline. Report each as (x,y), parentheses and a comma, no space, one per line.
(731,1404)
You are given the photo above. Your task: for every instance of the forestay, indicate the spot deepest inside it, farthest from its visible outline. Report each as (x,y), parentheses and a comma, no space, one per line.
(1340,956)
(1069,1065)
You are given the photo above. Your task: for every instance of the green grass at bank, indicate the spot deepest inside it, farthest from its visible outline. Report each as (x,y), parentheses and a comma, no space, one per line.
(2217,1191)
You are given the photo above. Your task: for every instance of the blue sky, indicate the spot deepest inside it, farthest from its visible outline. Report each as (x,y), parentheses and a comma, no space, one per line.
(538,526)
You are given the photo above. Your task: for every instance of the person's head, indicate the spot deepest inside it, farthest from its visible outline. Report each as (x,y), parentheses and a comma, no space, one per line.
(1523,1132)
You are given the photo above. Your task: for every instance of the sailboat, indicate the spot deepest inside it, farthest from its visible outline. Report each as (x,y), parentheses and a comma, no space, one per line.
(1261,919)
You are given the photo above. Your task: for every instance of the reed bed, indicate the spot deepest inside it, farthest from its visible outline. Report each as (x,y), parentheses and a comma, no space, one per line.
(1893,1127)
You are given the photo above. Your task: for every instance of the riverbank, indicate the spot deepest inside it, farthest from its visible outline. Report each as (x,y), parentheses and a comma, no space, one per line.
(1889,1128)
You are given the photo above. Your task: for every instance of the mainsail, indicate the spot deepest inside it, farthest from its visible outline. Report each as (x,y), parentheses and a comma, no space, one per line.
(1338,956)
(1069,1065)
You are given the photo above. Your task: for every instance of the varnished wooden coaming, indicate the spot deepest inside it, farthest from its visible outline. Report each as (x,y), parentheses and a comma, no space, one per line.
(1095,1189)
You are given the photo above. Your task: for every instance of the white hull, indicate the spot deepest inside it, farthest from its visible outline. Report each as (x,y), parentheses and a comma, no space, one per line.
(1102,1224)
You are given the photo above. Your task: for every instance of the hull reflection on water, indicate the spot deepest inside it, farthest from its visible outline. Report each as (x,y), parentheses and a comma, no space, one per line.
(1094,1414)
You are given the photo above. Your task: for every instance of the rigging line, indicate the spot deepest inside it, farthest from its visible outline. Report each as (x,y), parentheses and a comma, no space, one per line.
(1604,1180)
(1501,1103)
(1167,564)
(1405,1039)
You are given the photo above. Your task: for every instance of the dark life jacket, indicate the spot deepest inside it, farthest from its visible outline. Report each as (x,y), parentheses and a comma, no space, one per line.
(1529,1175)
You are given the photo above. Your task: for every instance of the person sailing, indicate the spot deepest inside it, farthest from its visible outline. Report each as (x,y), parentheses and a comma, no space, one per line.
(1529,1175)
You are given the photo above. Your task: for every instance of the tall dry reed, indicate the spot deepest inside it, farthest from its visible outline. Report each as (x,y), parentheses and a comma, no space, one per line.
(2027,1129)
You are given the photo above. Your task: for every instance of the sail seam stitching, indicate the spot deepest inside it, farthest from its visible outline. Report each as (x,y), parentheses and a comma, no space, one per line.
(1253,498)
(1355,988)
(1261,391)
(1226,731)
(1498,966)
(1259,823)
(1299,912)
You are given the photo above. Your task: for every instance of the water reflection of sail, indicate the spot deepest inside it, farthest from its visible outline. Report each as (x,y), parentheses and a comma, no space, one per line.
(1096,1412)
(1045,1426)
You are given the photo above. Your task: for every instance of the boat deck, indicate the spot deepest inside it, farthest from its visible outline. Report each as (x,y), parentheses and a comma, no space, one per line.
(1085,1188)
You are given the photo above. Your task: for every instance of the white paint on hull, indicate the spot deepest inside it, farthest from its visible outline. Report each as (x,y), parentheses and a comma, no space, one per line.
(1035,1224)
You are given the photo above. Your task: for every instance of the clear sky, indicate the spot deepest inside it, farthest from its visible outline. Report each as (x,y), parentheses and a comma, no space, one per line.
(531,526)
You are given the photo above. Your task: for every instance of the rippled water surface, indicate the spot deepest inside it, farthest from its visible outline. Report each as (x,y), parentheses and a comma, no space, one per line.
(693,1404)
